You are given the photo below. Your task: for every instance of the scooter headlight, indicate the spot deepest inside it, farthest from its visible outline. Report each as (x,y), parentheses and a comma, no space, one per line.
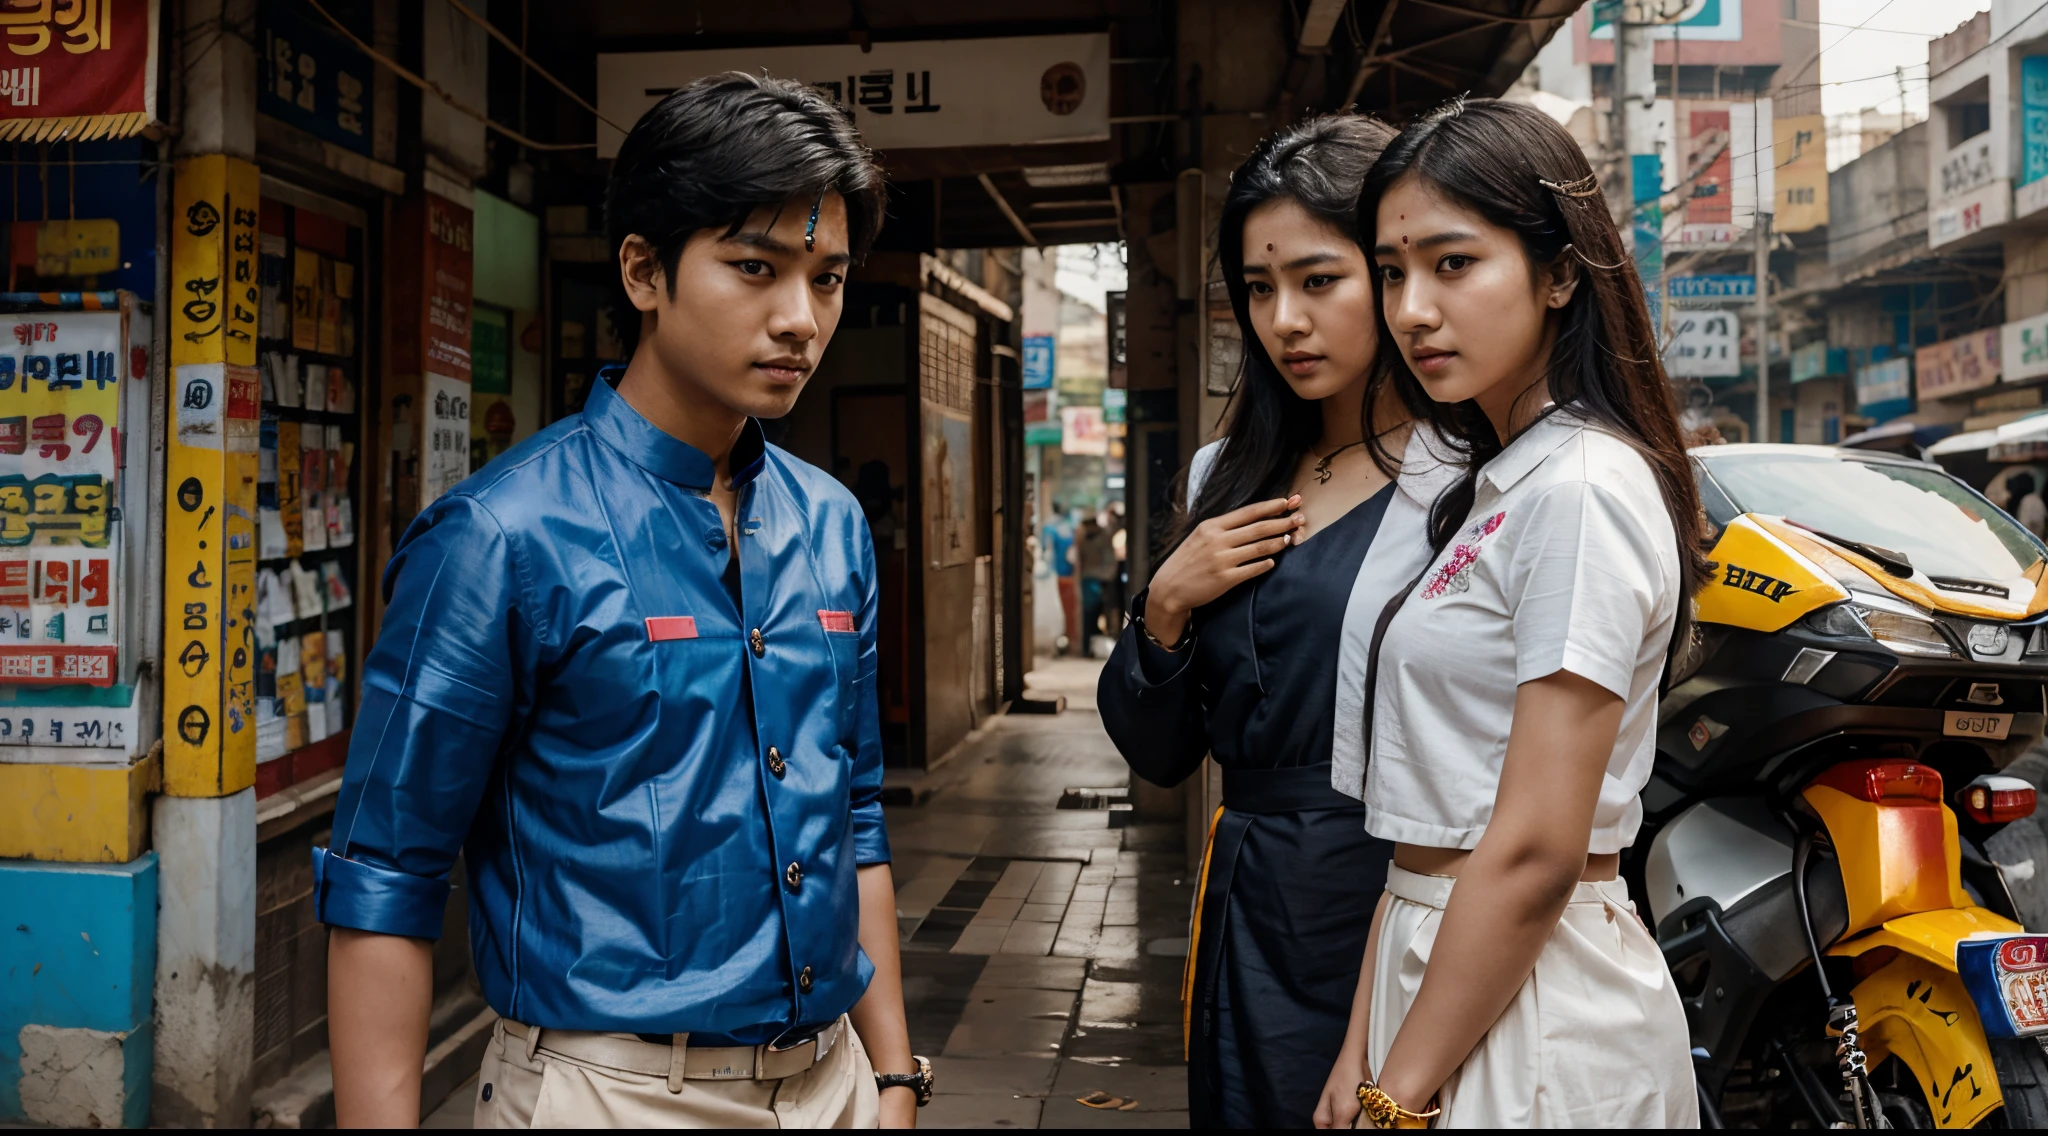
(1896,625)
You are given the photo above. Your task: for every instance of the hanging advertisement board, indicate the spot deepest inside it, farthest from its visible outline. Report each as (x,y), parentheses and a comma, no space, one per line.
(1958,366)
(905,94)
(1704,345)
(311,76)
(2023,349)
(1885,389)
(79,70)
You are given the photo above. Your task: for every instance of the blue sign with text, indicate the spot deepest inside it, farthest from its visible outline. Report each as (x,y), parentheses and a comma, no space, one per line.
(1038,362)
(1712,286)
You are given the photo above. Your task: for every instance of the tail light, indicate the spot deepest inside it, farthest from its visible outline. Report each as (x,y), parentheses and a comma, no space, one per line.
(1993,799)
(1878,781)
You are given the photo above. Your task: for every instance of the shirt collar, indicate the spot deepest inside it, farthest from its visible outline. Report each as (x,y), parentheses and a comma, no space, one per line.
(1530,447)
(656,450)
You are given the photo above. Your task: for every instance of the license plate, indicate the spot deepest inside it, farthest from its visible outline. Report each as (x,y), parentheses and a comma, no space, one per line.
(1974,724)
(2008,980)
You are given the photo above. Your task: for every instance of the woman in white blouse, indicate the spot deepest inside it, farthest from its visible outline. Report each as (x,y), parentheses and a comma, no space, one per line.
(1508,982)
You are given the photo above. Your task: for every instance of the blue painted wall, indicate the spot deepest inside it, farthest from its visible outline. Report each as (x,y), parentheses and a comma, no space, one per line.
(78,950)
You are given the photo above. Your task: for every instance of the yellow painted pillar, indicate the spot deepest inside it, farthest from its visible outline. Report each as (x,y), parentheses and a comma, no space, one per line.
(210,511)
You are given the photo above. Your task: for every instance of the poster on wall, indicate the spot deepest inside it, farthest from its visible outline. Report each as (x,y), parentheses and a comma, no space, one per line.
(78,70)
(948,486)
(1704,345)
(445,456)
(60,399)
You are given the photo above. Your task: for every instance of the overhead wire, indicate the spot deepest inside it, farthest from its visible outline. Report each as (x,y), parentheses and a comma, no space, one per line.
(536,68)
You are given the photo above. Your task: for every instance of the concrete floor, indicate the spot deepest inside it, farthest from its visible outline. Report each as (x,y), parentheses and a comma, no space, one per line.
(1042,947)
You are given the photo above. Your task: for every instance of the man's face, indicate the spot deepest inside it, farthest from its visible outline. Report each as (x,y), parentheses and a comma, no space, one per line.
(748,316)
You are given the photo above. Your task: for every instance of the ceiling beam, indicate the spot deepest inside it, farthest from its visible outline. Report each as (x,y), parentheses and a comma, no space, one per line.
(1319,23)
(1370,64)
(1009,214)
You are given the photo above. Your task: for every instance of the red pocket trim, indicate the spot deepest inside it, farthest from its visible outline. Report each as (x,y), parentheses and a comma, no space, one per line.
(840,621)
(664,627)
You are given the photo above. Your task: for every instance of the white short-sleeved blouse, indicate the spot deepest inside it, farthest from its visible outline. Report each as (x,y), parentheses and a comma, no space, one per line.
(1568,561)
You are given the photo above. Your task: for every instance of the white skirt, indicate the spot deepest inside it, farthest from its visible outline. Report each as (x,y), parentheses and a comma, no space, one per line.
(1595,1038)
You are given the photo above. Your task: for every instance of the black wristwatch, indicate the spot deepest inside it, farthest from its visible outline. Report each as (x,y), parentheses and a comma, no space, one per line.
(920,1080)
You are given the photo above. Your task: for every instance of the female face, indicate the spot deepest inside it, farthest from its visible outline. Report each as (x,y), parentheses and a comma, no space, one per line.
(1311,298)
(1473,318)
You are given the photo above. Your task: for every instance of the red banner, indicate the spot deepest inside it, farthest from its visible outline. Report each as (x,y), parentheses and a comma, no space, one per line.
(77,69)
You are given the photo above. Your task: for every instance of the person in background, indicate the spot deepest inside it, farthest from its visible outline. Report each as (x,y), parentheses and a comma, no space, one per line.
(629,676)
(1095,557)
(1116,595)
(2027,504)
(1238,649)
(1059,541)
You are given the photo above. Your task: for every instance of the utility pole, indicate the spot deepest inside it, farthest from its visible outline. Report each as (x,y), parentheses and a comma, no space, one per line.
(1762,318)
(1635,130)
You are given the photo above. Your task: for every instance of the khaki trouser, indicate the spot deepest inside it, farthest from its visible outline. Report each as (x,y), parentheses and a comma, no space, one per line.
(522,1086)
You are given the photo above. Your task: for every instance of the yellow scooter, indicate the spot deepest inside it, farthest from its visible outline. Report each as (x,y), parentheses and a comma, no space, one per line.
(1872,651)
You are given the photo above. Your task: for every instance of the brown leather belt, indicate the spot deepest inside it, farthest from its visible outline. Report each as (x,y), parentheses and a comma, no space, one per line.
(678,1061)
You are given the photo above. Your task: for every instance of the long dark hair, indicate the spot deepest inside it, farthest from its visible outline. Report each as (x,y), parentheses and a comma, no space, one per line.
(1516,167)
(1318,164)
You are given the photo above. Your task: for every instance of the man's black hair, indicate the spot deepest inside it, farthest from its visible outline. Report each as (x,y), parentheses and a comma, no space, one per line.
(711,153)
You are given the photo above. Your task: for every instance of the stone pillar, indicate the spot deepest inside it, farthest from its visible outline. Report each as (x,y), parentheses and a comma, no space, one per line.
(205,825)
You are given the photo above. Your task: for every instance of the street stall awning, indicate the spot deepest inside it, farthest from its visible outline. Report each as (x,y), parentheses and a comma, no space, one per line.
(2025,440)
(1900,437)
(1965,443)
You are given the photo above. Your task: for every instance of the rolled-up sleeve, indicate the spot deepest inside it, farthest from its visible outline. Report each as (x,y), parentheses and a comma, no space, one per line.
(870,833)
(438,691)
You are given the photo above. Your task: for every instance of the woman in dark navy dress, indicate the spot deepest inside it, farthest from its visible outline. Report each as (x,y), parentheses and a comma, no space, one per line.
(1307,506)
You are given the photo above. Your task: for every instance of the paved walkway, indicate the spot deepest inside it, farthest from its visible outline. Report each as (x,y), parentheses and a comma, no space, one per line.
(1042,945)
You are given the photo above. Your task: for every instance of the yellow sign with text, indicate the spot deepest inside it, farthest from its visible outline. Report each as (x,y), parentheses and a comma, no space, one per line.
(1801,144)
(210,524)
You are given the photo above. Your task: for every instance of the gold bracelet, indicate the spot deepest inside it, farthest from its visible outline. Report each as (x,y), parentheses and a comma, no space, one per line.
(1385,1113)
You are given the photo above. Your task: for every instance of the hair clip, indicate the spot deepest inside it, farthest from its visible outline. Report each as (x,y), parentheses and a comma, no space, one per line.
(1588,186)
(811,228)
(1591,263)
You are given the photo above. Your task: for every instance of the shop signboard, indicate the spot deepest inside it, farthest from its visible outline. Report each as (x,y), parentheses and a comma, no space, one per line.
(1690,20)
(311,76)
(1801,151)
(1038,362)
(2023,349)
(1817,360)
(1885,389)
(1969,194)
(1958,366)
(1704,345)
(1083,432)
(2034,118)
(1713,286)
(79,70)
(904,94)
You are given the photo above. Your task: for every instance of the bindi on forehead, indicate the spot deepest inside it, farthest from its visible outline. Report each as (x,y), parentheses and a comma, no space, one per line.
(1269,248)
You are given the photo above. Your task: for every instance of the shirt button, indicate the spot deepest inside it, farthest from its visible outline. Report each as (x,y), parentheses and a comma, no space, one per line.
(794,876)
(775,763)
(760,647)
(803,980)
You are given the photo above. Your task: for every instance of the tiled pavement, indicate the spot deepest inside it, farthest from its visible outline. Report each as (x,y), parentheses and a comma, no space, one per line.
(1042,946)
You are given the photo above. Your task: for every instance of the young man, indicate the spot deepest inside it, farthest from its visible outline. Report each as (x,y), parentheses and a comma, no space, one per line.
(629,671)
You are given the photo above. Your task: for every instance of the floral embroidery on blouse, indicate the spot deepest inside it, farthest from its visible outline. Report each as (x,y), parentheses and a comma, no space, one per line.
(1454,575)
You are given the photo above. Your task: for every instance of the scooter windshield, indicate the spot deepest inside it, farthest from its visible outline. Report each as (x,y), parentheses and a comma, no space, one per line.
(1922,517)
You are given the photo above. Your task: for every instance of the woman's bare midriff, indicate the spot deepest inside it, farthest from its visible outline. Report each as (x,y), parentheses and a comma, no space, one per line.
(1451,861)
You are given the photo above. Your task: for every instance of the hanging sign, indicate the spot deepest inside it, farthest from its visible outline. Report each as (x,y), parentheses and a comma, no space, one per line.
(1038,362)
(1885,389)
(1704,345)
(1959,365)
(76,69)
(907,94)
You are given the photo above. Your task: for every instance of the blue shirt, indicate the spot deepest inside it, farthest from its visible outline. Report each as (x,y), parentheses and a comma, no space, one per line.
(661,795)
(1060,534)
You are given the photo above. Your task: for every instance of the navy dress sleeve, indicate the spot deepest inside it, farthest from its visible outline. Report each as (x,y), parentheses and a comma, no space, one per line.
(1152,706)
